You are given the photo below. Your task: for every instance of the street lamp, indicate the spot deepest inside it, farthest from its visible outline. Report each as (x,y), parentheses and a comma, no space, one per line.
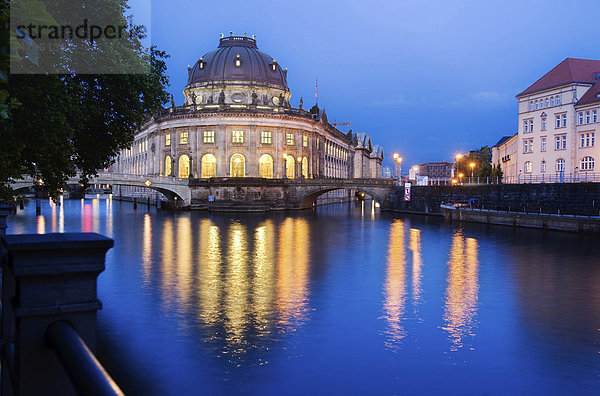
(399,160)
(472,165)
(457,157)
(396,164)
(460,176)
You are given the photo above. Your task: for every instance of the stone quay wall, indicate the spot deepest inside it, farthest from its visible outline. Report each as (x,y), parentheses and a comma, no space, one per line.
(563,198)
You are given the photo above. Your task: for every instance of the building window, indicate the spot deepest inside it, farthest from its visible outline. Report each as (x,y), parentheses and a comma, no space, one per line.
(265,166)
(587,139)
(238,166)
(184,166)
(560,142)
(183,138)
(560,165)
(305,167)
(537,105)
(266,137)
(238,61)
(528,146)
(168,165)
(588,117)
(304,141)
(527,126)
(557,100)
(530,105)
(547,102)
(290,167)
(528,167)
(237,137)
(587,163)
(543,148)
(543,123)
(557,124)
(209,166)
(543,169)
(289,139)
(168,139)
(552,101)
(594,115)
(208,137)
(580,118)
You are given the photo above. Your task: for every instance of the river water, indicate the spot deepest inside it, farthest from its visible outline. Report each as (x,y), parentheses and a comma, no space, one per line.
(342,300)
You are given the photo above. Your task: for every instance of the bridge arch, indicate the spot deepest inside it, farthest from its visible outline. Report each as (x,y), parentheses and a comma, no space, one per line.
(309,199)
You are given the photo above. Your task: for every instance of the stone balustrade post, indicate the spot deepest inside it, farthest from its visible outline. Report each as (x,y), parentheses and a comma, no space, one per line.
(45,279)
(4,212)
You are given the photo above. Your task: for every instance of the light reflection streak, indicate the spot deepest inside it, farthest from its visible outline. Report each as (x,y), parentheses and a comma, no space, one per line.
(41,224)
(292,272)
(395,286)
(209,273)
(167,270)
(184,263)
(109,216)
(61,216)
(460,307)
(53,216)
(417,264)
(146,249)
(95,215)
(264,274)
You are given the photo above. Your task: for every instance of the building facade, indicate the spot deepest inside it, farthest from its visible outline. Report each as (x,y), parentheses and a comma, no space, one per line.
(504,154)
(432,173)
(557,125)
(237,121)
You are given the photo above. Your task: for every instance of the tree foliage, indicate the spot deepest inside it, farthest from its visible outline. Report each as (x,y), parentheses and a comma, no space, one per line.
(76,122)
(482,159)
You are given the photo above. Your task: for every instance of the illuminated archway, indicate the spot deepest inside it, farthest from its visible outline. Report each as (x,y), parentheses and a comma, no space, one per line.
(238,166)
(184,166)
(305,167)
(265,166)
(209,166)
(290,167)
(168,166)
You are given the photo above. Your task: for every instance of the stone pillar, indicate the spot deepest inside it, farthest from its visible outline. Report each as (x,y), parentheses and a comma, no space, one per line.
(4,212)
(45,279)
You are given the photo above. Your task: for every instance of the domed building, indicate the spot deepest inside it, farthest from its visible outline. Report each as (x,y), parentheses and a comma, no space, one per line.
(237,121)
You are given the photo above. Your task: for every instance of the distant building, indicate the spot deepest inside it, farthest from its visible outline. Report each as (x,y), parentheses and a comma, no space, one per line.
(558,122)
(434,173)
(504,155)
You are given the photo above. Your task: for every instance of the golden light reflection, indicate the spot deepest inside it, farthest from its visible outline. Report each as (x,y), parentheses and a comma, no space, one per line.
(462,291)
(109,216)
(209,273)
(147,249)
(264,275)
(61,215)
(53,216)
(417,264)
(167,271)
(292,272)
(184,265)
(41,224)
(237,287)
(96,215)
(395,286)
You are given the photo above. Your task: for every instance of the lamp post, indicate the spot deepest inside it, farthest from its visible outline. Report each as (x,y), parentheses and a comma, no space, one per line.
(460,176)
(472,165)
(396,164)
(399,160)
(457,157)
(284,166)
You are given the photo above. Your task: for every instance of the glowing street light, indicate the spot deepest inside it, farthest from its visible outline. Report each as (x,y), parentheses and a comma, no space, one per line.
(472,165)
(460,176)
(399,160)
(457,157)
(396,156)
(148,183)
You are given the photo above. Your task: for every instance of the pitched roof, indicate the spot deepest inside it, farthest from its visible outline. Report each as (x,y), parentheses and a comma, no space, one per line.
(571,70)
(502,141)
(591,96)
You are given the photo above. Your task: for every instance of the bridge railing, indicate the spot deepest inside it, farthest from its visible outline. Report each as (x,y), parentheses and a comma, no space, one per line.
(49,306)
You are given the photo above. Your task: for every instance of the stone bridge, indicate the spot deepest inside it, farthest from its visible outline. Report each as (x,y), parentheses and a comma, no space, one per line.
(243,193)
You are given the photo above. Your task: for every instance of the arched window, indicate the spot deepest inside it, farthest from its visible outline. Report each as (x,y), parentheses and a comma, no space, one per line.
(238,166)
(184,166)
(305,167)
(209,166)
(290,167)
(168,166)
(528,167)
(265,166)
(587,163)
(560,165)
(552,101)
(557,100)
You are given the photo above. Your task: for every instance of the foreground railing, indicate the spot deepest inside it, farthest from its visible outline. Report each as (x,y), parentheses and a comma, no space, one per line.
(49,306)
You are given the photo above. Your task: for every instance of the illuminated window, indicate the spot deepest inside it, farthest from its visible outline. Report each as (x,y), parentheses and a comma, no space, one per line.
(560,165)
(265,137)
(168,166)
(237,137)
(274,65)
(587,163)
(238,166)
(290,167)
(183,138)
(209,166)
(184,166)
(201,64)
(238,61)
(168,139)
(305,141)
(265,166)
(208,137)
(289,139)
(305,167)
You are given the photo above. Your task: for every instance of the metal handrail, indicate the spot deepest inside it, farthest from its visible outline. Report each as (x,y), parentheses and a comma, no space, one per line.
(85,371)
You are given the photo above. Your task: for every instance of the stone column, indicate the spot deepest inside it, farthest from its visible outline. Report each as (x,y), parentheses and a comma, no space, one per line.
(46,279)
(4,212)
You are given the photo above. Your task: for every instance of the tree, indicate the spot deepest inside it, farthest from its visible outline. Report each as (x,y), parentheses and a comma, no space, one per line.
(482,159)
(78,122)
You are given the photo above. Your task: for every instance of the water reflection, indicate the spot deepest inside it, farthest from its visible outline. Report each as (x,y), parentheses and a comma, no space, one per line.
(417,264)
(395,286)
(460,307)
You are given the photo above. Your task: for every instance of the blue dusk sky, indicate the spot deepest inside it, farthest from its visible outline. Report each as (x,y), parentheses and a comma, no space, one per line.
(424,79)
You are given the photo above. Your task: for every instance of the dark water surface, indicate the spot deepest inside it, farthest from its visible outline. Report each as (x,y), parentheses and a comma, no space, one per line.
(343,300)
